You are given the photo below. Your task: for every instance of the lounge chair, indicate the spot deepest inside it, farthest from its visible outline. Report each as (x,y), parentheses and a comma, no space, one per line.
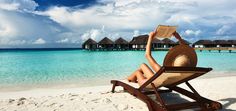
(169,77)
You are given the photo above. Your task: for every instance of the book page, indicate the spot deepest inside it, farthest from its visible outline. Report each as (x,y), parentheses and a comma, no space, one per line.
(164,31)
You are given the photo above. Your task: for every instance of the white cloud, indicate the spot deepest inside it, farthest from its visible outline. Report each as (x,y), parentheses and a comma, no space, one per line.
(6,6)
(136,33)
(7,29)
(25,5)
(182,18)
(66,40)
(223,29)
(20,23)
(124,16)
(39,41)
(93,34)
(191,32)
(16,26)
(97,34)
(111,16)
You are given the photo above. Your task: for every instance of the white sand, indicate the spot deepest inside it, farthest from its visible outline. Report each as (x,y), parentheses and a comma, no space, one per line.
(222,89)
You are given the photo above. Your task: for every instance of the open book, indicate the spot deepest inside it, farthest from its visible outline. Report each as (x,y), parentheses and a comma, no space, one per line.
(164,31)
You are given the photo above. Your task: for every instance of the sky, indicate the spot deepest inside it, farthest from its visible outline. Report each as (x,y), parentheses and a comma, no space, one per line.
(68,23)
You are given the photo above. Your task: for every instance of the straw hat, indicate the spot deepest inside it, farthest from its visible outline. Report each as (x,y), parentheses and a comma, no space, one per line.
(181,55)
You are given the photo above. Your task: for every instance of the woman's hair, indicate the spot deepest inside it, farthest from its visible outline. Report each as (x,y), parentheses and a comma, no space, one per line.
(182,60)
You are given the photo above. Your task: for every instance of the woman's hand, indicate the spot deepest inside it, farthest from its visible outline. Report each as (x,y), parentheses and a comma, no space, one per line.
(152,35)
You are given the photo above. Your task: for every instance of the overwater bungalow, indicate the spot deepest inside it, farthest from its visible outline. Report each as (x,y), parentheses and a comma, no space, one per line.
(204,44)
(156,43)
(232,42)
(106,44)
(185,41)
(167,43)
(89,44)
(222,43)
(121,44)
(139,42)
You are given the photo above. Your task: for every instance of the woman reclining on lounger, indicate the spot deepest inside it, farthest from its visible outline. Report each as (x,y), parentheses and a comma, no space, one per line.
(144,72)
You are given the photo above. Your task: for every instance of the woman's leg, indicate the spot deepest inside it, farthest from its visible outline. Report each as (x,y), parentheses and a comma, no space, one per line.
(146,71)
(137,76)
(141,78)
(132,77)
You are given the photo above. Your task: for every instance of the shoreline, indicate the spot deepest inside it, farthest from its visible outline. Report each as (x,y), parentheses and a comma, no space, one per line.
(86,88)
(83,83)
(220,89)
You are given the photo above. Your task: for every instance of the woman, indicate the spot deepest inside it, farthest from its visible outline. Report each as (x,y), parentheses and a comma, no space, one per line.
(144,72)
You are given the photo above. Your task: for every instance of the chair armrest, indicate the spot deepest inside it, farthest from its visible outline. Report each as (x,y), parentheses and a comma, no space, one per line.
(186,69)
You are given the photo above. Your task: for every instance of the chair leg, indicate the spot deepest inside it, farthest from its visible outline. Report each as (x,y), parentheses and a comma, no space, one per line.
(206,104)
(113,87)
(198,97)
(192,89)
(158,96)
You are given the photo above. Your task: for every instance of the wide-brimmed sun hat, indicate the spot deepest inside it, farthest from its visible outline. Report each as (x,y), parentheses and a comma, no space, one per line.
(181,55)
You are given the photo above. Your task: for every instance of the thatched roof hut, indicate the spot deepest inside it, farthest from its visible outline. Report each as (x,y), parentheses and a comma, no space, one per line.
(121,44)
(121,41)
(89,44)
(186,42)
(139,42)
(141,39)
(232,42)
(222,43)
(156,41)
(105,41)
(204,43)
(90,41)
(106,44)
(168,41)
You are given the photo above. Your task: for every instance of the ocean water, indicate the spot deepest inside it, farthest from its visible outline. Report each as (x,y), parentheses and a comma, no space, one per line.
(22,68)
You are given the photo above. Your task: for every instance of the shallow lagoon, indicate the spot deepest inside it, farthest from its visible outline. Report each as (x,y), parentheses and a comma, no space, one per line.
(86,68)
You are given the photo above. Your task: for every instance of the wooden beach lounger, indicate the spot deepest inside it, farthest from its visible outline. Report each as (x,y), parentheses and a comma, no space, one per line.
(169,78)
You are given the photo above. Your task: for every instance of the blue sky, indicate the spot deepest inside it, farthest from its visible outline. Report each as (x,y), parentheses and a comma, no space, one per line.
(68,23)
(44,4)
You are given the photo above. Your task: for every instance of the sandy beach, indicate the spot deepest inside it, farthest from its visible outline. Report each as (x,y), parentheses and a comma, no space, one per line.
(100,98)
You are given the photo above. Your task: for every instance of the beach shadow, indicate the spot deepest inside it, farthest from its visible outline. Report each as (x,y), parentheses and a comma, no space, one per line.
(229,101)
(171,98)
(174,98)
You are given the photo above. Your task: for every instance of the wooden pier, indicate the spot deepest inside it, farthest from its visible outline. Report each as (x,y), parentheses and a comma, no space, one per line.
(219,49)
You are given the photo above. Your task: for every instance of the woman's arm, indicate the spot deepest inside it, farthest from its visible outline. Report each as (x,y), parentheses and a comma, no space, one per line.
(155,66)
(177,36)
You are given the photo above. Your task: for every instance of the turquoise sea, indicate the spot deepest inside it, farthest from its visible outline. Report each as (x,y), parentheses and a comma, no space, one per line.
(23,68)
